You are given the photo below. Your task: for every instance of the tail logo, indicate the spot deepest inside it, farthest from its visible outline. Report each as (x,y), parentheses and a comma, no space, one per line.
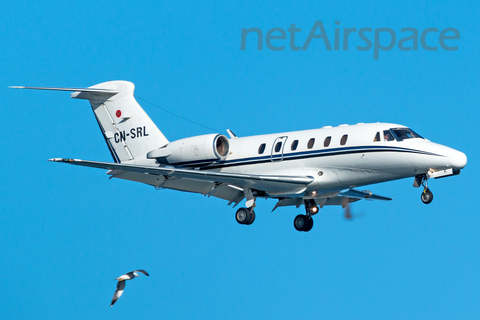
(137,132)
(118,113)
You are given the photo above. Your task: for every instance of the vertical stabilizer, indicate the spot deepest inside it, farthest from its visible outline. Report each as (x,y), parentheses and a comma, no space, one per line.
(128,131)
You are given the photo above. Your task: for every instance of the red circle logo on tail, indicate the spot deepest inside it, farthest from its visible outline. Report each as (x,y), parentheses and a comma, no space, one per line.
(118,113)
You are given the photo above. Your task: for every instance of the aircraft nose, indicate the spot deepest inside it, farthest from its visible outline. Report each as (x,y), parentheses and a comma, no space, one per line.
(458,160)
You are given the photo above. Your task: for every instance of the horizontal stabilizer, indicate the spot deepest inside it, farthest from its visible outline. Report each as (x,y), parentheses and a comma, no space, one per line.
(79,93)
(91,90)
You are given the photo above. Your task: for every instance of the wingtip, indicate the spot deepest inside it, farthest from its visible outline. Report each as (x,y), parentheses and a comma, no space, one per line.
(61,160)
(16,87)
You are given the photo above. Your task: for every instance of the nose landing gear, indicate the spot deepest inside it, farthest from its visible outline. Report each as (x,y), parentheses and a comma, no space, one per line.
(427,195)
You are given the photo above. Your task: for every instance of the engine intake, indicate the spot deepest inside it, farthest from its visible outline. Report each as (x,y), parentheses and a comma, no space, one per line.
(199,150)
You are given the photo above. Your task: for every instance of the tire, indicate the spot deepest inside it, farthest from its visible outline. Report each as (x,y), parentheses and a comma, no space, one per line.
(251,218)
(427,196)
(299,222)
(309,225)
(242,216)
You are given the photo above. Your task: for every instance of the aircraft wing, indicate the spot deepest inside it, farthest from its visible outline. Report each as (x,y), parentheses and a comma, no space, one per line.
(357,194)
(341,198)
(352,195)
(289,184)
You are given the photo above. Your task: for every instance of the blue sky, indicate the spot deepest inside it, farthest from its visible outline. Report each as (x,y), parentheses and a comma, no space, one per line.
(66,232)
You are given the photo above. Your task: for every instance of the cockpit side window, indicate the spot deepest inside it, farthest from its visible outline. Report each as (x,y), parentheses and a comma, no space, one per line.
(388,135)
(405,133)
(377,137)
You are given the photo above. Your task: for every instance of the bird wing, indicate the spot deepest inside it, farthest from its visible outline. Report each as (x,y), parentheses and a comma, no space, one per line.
(142,271)
(124,277)
(118,293)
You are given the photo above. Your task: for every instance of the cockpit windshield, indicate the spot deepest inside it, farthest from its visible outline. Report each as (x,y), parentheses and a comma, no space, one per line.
(405,133)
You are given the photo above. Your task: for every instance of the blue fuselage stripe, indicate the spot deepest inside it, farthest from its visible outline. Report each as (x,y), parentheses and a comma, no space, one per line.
(301,155)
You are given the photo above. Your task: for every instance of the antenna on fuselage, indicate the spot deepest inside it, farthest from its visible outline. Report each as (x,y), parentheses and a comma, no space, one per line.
(231,134)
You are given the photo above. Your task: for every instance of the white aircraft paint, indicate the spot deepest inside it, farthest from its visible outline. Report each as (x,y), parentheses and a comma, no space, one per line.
(288,166)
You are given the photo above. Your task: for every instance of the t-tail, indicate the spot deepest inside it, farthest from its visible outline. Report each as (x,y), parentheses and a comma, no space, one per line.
(128,131)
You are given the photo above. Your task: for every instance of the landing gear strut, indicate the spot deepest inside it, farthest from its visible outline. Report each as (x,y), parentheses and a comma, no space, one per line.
(247,215)
(427,195)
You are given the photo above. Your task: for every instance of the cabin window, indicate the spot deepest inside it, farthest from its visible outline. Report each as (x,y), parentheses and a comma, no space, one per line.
(310,144)
(388,135)
(377,137)
(344,139)
(294,145)
(278,147)
(261,149)
(326,143)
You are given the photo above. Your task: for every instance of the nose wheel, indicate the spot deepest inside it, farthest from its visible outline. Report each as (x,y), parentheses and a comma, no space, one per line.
(427,196)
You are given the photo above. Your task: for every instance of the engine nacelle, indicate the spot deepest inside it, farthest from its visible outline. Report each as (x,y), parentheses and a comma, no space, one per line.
(200,149)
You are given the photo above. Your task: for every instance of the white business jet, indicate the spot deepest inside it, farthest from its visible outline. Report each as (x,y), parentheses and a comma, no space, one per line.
(313,168)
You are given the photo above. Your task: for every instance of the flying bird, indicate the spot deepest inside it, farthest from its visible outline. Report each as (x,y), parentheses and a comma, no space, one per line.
(121,283)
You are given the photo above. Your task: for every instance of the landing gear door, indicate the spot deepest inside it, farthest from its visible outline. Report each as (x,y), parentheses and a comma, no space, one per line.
(277,148)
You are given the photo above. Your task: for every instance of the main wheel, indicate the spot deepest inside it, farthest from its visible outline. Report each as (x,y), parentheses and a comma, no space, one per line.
(299,222)
(251,217)
(242,216)
(309,225)
(427,196)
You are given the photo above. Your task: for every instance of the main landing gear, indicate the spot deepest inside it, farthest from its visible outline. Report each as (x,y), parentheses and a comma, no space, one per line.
(245,216)
(427,195)
(304,222)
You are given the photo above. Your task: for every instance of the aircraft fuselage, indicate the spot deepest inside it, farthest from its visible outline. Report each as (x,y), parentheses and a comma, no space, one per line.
(357,162)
